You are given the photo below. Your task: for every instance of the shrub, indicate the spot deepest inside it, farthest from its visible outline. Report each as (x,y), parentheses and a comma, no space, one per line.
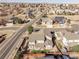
(30,29)
(40,51)
(45,51)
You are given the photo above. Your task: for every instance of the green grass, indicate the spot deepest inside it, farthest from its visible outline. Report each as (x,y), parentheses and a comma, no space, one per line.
(30,29)
(40,51)
(75,48)
(18,55)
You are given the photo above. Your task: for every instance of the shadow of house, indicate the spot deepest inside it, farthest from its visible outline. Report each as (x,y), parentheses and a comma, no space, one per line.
(2,37)
(3,22)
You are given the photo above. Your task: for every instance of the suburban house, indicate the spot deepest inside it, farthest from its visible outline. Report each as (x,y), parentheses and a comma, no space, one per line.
(40,40)
(68,38)
(47,22)
(48,44)
(71,38)
(57,21)
(9,23)
(59,11)
(73,11)
(60,21)
(36,40)
(47,33)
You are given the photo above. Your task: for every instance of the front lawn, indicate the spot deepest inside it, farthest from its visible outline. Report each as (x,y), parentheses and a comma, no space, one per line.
(75,48)
(40,51)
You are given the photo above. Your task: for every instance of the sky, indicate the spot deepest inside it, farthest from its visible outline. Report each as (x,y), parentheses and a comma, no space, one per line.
(42,1)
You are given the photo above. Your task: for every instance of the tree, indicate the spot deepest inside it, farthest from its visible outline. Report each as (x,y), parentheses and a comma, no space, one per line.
(3,22)
(68,21)
(30,29)
(20,21)
(17,20)
(45,15)
(45,51)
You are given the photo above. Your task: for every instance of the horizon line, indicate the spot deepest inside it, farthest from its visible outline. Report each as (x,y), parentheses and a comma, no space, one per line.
(40,2)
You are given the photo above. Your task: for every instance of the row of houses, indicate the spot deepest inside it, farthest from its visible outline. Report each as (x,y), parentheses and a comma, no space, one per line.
(43,39)
(70,38)
(40,40)
(62,21)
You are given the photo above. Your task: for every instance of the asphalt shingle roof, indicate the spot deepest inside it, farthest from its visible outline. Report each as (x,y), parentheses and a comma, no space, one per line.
(70,35)
(37,36)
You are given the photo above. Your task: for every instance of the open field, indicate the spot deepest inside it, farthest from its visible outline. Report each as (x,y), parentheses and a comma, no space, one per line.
(8,32)
(15,25)
(74,18)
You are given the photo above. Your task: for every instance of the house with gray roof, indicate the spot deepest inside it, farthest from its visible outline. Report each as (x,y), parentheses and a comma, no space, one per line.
(40,40)
(45,22)
(39,46)
(69,39)
(48,44)
(48,33)
(36,40)
(59,19)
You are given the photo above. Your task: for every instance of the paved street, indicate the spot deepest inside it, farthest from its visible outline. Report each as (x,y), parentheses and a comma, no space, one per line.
(9,28)
(6,47)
